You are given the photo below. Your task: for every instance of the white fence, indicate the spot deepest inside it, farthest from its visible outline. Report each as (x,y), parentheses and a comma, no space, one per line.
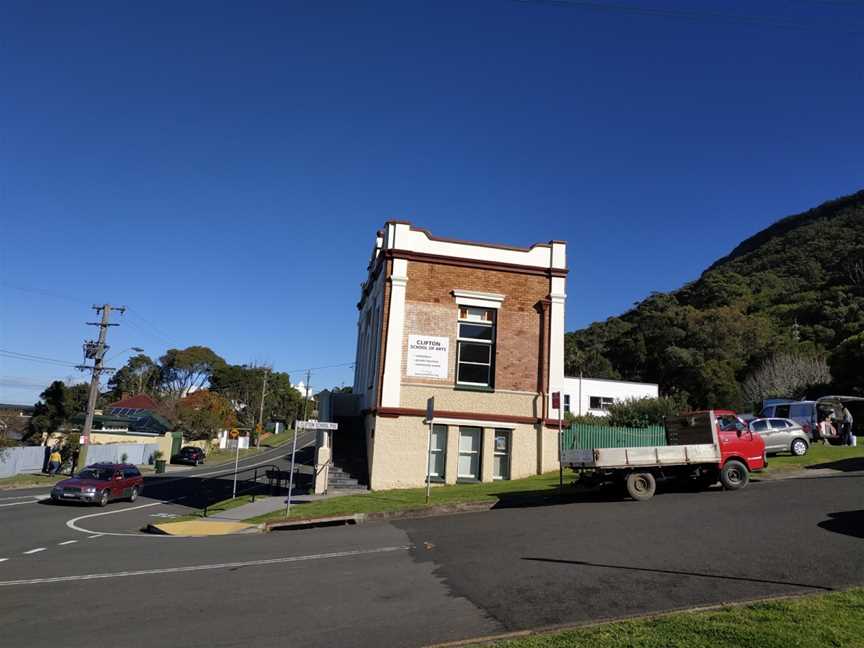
(136,453)
(31,459)
(26,459)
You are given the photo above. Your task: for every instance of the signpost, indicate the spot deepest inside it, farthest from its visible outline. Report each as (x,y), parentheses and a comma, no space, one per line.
(430,414)
(298,426)
(235,435)
(556,404)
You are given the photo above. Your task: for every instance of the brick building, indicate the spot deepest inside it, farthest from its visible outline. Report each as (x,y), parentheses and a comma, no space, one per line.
(479,327)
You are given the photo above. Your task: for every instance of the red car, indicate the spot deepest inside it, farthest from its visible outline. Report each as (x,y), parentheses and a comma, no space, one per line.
(100,483)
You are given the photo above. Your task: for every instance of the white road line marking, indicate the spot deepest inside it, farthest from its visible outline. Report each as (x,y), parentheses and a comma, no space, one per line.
(4,499)
(97,535)
(73,523)
(60,544)
(194,568)
(36,550)
(3,559)
(19,503)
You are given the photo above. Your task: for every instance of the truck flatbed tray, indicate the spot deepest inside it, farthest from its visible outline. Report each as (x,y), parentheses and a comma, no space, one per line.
(676,455)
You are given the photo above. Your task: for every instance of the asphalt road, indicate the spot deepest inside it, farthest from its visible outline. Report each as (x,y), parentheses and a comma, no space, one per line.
(412,583)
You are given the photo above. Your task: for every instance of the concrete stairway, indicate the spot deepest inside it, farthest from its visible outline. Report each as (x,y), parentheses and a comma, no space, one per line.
(339,480)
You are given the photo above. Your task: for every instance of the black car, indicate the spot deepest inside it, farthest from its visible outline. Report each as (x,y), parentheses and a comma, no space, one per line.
(189,455)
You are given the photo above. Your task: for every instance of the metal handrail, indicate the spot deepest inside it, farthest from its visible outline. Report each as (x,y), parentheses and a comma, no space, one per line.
(271,472)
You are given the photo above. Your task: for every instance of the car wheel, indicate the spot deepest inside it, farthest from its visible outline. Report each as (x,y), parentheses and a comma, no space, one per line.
(103,498)
(734,475)
(641,486)
(134,494)
(799,447)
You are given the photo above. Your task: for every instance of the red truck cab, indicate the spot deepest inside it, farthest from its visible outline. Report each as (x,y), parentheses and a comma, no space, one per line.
(737,442)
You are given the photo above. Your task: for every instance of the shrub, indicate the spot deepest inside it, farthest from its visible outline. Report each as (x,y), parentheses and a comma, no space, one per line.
(644,412)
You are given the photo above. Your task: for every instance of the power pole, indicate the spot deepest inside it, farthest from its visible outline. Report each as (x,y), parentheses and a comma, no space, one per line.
(96,351)
(306,401)
(261,408)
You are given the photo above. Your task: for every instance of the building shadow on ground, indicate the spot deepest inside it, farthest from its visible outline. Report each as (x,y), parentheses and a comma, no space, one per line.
(849,523)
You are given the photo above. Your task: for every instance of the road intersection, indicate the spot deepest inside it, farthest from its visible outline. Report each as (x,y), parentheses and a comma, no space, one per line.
(417,582)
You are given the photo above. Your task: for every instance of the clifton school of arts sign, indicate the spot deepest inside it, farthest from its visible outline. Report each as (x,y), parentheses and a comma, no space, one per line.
(427,356)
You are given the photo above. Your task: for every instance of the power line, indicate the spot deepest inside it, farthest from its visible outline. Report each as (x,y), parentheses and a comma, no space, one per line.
(16,355)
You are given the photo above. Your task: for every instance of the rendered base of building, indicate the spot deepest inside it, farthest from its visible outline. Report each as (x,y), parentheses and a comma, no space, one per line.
(398,451)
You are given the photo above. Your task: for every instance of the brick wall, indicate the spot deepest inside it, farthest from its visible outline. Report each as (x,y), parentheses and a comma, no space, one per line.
(431,310)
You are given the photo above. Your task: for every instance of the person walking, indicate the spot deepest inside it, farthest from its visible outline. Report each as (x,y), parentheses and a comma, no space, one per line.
(54,461)
(76,452)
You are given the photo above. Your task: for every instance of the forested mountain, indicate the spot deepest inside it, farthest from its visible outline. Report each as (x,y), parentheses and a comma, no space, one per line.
(795,288)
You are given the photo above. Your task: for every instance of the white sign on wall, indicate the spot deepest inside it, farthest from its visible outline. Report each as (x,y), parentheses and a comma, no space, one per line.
(427,356)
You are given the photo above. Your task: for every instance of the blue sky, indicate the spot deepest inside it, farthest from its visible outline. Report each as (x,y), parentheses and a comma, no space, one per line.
(221,168)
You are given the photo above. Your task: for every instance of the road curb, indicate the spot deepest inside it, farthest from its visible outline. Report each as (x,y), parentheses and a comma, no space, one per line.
(554,629)
(362,518)
(202,528)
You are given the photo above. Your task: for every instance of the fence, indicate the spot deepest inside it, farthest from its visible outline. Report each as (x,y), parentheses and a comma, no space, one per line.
(136,453)
(27,459)
(587,437)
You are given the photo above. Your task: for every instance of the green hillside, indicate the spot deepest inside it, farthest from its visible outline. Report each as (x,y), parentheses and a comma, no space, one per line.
(796,287)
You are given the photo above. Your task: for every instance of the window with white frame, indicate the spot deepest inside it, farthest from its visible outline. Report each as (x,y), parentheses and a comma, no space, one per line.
(475,354)
(566,403)
(600,402)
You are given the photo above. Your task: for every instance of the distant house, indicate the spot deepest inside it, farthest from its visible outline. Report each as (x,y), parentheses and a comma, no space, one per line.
(133,405)
(138,422)
(14,420)
(594,395)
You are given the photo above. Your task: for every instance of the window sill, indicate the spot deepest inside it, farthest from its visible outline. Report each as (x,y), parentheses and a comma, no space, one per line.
(436,480)
(467,480)
(474,388)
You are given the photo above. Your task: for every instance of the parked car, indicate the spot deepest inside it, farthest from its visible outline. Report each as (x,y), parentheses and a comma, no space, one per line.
(806,413)
(189,455)
(100,483)
(781,435)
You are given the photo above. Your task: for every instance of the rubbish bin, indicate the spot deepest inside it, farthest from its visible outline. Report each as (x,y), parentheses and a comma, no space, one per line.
(159,465)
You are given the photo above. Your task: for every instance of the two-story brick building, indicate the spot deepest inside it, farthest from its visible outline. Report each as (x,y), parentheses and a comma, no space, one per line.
(479,327)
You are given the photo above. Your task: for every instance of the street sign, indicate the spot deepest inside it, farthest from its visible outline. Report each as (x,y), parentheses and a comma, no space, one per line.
(234,433)
(556,400)
(430,409)
(315,425)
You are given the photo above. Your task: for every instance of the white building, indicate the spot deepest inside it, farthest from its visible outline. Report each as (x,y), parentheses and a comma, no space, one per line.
(592,396)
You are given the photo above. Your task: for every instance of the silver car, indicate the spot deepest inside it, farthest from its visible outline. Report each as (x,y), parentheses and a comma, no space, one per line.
(781,435)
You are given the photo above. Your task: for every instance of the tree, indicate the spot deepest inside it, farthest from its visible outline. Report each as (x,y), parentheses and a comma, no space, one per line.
(785,375)
(202,414)
(57,405)
(185,370)
(847,364)
(243,385)
(140,375)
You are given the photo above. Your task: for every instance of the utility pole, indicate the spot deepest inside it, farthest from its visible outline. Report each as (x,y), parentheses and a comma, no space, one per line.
(306,401)
(261,408)
(96,351)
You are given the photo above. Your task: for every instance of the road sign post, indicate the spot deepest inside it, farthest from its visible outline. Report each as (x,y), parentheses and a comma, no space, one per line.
(298,426)
(430,414)
(235,435)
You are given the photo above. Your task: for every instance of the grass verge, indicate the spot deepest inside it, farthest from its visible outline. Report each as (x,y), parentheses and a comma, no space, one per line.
(218,507)
(820,456)
(834,619)
(411,498)
(26,481)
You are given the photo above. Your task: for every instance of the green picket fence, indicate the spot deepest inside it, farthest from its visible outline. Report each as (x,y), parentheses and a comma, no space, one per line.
(581,436)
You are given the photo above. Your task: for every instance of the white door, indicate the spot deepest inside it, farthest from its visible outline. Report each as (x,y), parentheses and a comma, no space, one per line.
(438,452)
(469,453)
(501,461)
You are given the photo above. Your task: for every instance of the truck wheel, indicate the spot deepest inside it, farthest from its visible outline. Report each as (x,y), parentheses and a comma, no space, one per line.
(640,486)
(734,475)
(799,447)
